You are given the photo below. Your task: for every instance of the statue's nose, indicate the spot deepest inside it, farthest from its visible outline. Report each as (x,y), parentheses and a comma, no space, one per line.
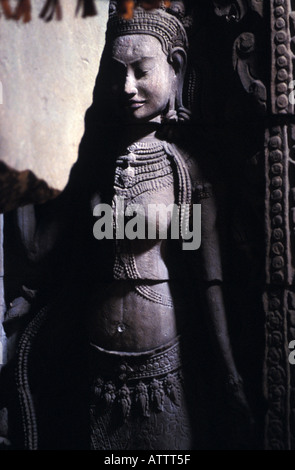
(130,85)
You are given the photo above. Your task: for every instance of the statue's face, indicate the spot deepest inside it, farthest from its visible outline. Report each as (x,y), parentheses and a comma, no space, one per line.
(142,79)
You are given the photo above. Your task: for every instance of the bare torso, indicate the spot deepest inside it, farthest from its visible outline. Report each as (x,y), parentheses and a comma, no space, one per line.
(139,310)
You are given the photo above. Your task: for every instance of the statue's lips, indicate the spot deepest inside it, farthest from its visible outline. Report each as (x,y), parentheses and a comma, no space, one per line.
(134,104)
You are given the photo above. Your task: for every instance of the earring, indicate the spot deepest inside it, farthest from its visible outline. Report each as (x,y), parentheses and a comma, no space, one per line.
(169,117)
(184,114)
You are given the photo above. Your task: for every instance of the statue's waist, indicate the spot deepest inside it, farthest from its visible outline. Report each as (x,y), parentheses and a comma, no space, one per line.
(128,366)
(135,316)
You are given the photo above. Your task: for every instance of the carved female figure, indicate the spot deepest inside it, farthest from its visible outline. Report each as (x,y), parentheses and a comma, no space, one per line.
(139,299)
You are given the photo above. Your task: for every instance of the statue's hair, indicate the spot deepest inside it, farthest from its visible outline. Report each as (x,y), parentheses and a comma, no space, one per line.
(166,27)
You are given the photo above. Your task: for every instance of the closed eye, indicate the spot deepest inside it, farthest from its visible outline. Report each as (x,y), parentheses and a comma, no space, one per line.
(139,73)
(143,67)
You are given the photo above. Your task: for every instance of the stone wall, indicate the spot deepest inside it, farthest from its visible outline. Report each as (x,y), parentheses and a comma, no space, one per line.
(47,72)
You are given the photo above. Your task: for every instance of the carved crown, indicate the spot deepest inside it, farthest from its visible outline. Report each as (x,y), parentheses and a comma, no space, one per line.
(161,23)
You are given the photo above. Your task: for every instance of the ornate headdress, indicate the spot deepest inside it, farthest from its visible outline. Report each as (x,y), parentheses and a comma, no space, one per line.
(161,23)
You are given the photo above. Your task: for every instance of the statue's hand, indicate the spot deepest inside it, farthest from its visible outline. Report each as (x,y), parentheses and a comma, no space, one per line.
(240,417)
(237,399)
(19,308)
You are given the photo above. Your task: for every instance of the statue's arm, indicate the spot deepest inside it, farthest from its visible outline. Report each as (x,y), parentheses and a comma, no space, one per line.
(212,298)
(211,291)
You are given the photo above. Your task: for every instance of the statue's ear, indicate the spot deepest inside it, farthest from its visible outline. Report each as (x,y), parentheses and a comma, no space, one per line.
(176,110)
(178,61)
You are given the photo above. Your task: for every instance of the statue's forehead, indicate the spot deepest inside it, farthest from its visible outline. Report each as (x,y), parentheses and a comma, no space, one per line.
(136,46)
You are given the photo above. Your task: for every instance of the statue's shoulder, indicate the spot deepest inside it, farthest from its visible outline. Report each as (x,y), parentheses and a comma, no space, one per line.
(201,187)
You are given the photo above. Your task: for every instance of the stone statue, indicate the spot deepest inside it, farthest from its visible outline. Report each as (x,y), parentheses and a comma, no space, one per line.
(113,346)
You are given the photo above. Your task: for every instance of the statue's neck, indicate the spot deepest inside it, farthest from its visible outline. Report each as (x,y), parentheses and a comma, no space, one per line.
(140,132)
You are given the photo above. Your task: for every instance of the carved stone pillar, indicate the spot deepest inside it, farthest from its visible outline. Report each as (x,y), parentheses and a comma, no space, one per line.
(262,33)
(280,222)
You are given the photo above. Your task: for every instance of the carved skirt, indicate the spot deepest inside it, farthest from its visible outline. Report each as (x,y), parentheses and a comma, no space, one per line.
(138,400)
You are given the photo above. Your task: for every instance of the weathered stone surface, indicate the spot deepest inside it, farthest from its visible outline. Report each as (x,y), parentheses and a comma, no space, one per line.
(47,71)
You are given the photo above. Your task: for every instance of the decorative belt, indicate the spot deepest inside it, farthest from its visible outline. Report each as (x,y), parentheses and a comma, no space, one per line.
(140,379)
(135,366)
